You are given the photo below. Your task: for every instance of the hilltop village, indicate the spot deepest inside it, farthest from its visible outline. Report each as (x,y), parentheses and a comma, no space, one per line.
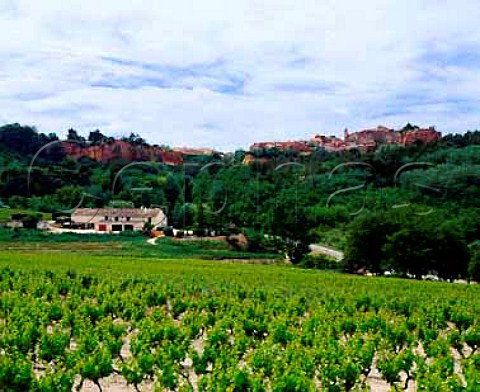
(364,140)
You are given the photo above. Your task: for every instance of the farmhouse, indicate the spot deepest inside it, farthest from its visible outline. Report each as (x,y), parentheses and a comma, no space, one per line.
(118,219)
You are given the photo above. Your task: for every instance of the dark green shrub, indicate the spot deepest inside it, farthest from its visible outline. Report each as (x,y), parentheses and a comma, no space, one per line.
(168,231)
(319,261)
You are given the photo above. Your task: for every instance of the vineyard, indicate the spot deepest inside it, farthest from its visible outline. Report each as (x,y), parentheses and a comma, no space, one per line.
(97,322)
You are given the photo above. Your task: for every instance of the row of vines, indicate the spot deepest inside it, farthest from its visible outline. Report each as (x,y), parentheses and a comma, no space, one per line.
(278,330)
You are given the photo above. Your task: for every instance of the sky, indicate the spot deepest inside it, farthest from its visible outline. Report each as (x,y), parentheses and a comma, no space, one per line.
(225,74)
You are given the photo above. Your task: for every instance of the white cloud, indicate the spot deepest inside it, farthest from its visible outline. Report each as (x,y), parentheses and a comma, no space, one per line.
(225,74)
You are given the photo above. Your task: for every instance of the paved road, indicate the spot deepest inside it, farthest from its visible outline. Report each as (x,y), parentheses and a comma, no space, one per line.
(152,241)
(336,254)
(315,248)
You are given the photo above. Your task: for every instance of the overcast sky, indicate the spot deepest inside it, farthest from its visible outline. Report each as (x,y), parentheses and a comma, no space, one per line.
(226,73)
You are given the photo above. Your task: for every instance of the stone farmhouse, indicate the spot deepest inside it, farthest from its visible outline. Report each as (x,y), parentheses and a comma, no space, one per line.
(118,219)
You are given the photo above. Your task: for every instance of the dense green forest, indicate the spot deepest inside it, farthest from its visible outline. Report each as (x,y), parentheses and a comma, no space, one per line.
(411,210)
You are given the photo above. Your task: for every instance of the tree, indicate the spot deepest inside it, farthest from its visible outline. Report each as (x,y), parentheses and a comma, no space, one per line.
(366,241)
(450,252)
(407,244)
(69,196)
(30,221)
(408,251)
(183,215)
(23,140)
(291,223)
(96,137)
(474,264)
(74,136)
(134,139)
(200,220)
(410,127)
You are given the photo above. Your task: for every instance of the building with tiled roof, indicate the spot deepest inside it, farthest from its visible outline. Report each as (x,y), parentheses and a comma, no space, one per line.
(118,219)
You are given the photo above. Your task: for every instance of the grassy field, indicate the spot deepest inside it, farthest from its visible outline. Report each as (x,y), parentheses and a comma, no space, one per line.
(92,319)
(123,245)
(6,213)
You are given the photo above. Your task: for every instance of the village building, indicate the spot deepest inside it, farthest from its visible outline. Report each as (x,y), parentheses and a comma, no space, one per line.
(298,146)
(195,151)
(118,219)
(370,139)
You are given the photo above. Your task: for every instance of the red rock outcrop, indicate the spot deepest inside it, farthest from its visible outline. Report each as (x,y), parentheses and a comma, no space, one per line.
(428,135)
(119,149)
